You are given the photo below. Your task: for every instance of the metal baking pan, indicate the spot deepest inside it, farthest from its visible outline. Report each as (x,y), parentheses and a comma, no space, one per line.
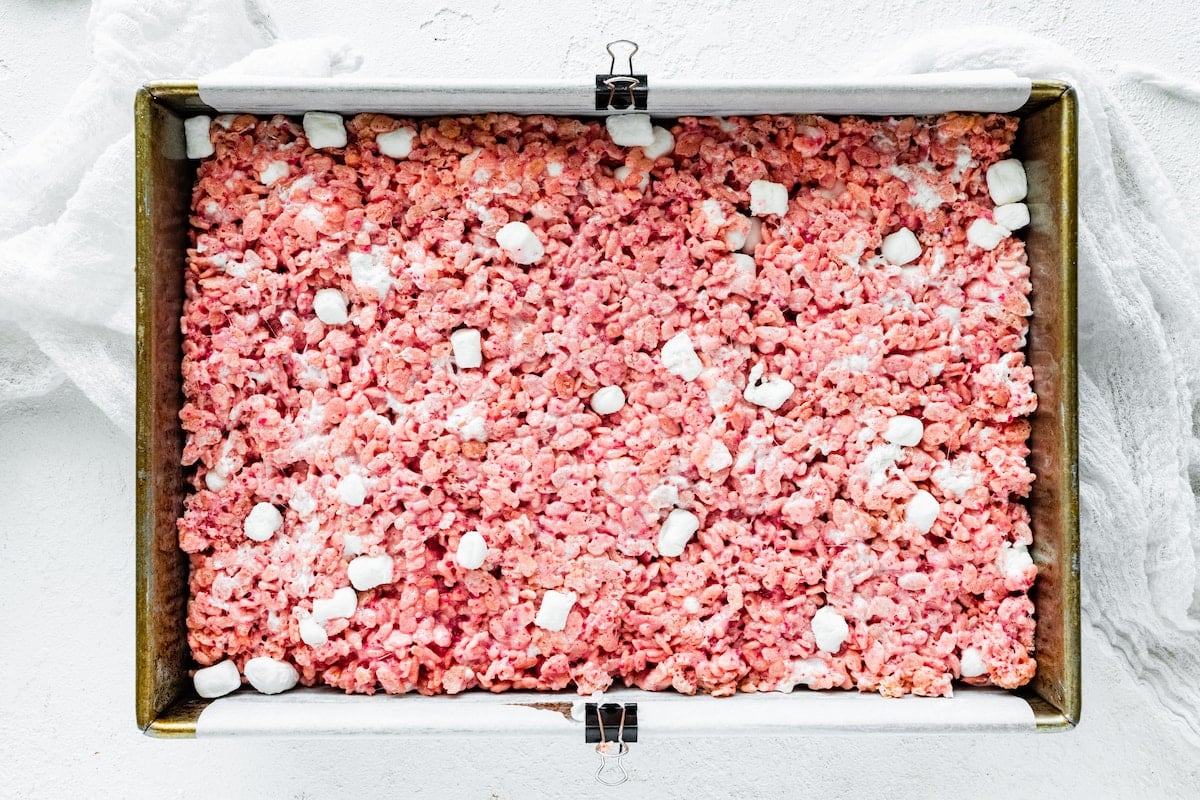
(166,705)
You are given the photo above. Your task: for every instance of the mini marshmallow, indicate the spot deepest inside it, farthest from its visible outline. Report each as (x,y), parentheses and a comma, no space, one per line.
(330,307)
(554,168)
(771,393)
(270,676)
(767,197)
(1011,215)
(367,572)
(274,171)
(901,247)
(987,235)
(746,265)
(679,357)
(691,605)
(215,481)
(904,431)
(621,173)
(1006,181)
(262,522)
(677,530)
(341,605)
(472,550)
(552,614)
(970,663)
(312,633)
(468,350)
(217,680)
(1014,560)
(608,400)
(829,629)
(397,143)
(662,144)
(199,143)
(520,243)
(630,130)
(921,511)
(719,457)
(324,129)
(352,491)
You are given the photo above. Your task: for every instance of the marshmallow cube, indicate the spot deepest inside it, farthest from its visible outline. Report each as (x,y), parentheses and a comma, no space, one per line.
(630,130)
(468,349)
(677,530)
(1006,181)
(901,247)
(217,680)
(196,138)
(324,130)
(397,143)
(552,614)
(520,243)
(767,197)
(270,676)
(367,572)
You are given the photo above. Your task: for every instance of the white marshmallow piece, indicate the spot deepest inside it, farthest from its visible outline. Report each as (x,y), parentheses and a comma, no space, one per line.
(312,633)
(520,243)
(662,143)
(970,663)
(215,481)
(262,522)
(330,307)
(273,172)
(691,605)
(630,130)
(367,572)
(552,614)
(472,550)
(341,605)
(829,629)
(679,357)
(351,545)
(768,197)
(901,247)
(217,680)
(199,143)
(922,511)
(1014,560)
(771,393)
(324,130)
(468,349)
(719,457)
(677,530)
(608,400)
(270,676)
(621,173)
(352,491)
(1011,215)
(904,431)
(1006,181)
(986,235)
(397,143)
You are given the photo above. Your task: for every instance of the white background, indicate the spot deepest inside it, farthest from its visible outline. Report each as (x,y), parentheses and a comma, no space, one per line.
(66,475)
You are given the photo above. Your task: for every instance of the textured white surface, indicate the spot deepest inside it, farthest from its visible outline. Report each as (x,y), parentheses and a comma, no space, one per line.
(69,472)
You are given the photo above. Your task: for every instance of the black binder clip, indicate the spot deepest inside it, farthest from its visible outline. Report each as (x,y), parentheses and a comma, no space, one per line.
(612,726)
(618,91)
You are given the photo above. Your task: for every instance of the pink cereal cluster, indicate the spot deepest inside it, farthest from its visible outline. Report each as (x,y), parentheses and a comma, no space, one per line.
(281,407)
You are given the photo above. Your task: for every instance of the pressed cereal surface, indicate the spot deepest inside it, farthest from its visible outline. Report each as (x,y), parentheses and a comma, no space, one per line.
(371,439)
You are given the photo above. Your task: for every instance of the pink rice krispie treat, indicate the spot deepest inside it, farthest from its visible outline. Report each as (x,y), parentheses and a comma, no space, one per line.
(498,402)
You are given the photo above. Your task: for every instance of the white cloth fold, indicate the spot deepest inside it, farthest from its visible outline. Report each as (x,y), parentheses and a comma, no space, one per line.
(66,290)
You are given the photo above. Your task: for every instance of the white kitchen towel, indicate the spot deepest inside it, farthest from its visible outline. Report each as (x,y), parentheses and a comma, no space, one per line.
(66,296)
